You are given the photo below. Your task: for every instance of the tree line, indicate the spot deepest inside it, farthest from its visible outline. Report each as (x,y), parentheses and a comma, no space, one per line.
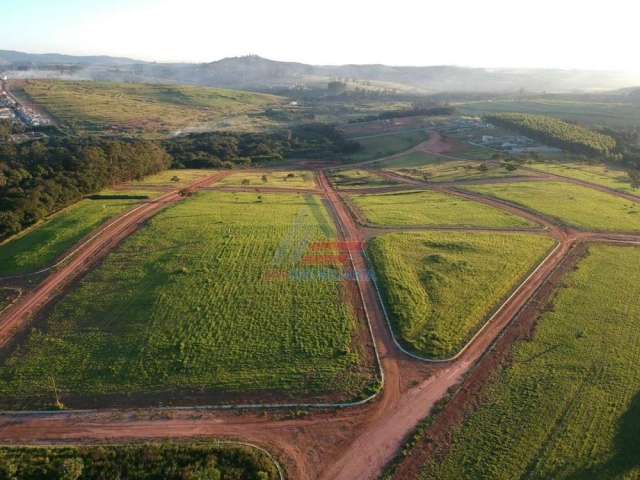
(558,133)
(39,178)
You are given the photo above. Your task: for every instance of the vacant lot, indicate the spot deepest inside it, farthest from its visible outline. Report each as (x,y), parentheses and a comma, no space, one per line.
(568,407)
(143,108)
(443,170)
(607,176)
(377,146)
(359,179)
(41,245)
(137,462)
(285,179)
(440,288)
(215,294)
(432,209)
(570,204)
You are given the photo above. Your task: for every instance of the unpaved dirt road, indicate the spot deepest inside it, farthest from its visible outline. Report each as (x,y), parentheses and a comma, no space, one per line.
(350,444)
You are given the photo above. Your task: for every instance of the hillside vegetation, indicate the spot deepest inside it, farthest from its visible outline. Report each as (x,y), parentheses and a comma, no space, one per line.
(556,132)
(145,108)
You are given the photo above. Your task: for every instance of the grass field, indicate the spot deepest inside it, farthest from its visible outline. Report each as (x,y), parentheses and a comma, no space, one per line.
(568,406)
(303,179)
(144,108)
(39,246)
(213,295)
(441,287)
(145,461)
(589,113)
(7,295)
(570,204)
(608,176)
(431,209)
(159,183)
(383,145)
(355,178)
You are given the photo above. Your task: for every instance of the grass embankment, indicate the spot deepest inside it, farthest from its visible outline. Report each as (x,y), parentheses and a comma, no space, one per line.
(219,293)
(137,462)
(144,108)
(607,176)
(573,205)
(568,406)
(40,245)
(440,288)
(431,209)
(302,179)
(383,145)
(346,179)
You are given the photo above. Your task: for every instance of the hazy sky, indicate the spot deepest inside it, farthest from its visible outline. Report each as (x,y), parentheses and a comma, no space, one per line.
(493,33)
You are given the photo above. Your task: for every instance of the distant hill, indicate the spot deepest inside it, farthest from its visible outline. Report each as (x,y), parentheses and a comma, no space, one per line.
(257,73)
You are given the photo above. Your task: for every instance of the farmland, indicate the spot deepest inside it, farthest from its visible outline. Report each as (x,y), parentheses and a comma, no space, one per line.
(431,209)
(302,179)
(40,245)
(574,385)
(145,108)
(214,294)
(570,204)
(441,287)
(148,461)
(382,145)
(359,179)
(608,176)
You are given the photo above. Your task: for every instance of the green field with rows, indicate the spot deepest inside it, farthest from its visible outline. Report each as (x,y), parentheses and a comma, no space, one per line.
(382,145)
(146,108)
(432,209)
(573,205)
(39,246)
(142,461)
(605,175)
(215,294)
(354,178)
(440,288)
(568,404)
(303,179)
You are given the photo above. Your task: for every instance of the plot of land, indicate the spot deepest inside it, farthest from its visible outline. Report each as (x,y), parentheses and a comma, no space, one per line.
(39,246)
(303,179)
(137,462)
(570,204)
(359,179)
(377,146)
(94,106)
(440,288)
(432,209)
(607,176)
(156,185)
(217,293)
(575,387)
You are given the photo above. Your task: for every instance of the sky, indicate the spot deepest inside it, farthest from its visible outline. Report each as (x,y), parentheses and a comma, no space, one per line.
(581,34)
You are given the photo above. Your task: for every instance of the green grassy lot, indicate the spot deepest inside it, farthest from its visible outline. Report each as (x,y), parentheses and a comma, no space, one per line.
(440,288)
(359,179)
(144,108)
(432,209)
(148,461)
(212,295)
(442,170)
(378,146)
(568,405)
(159,183)
(589,113)
(301,179)
(40,245)
(574,205)
(608,176)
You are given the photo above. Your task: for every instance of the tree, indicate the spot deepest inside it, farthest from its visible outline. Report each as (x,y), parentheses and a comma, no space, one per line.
(634,176)
(71,468)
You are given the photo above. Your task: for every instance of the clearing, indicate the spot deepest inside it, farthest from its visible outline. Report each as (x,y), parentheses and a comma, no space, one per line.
(574,205)
(440,288)
(428,208)
(302,179)
(221,293)
(575,386)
